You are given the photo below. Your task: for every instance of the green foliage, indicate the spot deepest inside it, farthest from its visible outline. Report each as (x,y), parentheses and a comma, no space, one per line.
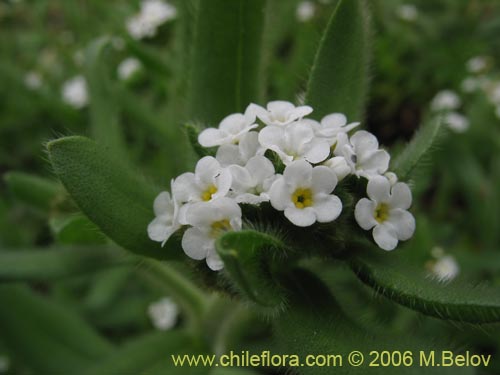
(225,71)
(338,81)
(392,277)
(118,201)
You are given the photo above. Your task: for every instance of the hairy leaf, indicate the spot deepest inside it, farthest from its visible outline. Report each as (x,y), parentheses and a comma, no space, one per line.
(47,337)
(418,149)
(225,71)
(392,277)
(117,200)
(338,81)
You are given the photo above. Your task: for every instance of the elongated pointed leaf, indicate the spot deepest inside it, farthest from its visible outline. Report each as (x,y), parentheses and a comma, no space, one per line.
(46,337)
(419,149)
(58,262)
(314,324)
(338,81)
(392,277)
(225,72)
(118,201)
(76,230)
(36,191)
(247,256)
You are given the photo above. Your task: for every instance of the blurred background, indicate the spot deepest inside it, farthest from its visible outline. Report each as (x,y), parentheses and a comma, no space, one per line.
(67,66)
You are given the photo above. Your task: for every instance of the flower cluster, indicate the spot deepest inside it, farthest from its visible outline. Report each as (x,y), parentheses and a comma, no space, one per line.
(312,158)
(447,102)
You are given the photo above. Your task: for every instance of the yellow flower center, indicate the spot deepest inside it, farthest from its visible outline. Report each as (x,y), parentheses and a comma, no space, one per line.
(302,198)
(382,212)
(219,227)
(207,194)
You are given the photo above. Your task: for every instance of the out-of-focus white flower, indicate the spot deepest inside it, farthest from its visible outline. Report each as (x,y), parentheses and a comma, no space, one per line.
(208,182)
(251,183)
(163,313)
(470,84)
(445,268)
(295,142)
(386,212)
(209,221)
(305,194)
(4,364)
(74,92)
(407,12)
(152,14)
(230,129)
(241,153)
(339,166)
(493,91)
(128,68)
(305,11)
(362,154)
(446,100)
(33,80)
(477,64)
(279,112)
(456,122)
(166,222)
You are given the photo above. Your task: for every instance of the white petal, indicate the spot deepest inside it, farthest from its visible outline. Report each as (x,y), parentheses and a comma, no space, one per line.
(279,106)
(271,136)
(163,204)
(224,208)
(279,194)
(260,168)
(400,196)
(228,154)
(256,110)
(323,180)
(317,151)
(210,137)
(364,141)
(159,230)
(233,123)
(297,135)
(302,217)
(196,244)
(327,208)
(199,214)
(300,112)
(214,261)
(249,145)
(223,183)
(184,187)
(251,198)
(339,166)
(207,169)
(375,162)
(242,180)
(385,236)
(403,222)
(378,189)
(298,174)
(334,120)
(364,213)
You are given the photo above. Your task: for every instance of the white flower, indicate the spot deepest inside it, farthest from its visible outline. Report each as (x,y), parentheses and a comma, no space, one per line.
(239,154)
(446,268)
(305,11)
(477,64)
(128,68)
(230,130)
(392,177)
(456,122)
(331,125)
(295,142)
(166,221)
(252,182)
(445,100)
(209,181)
(153,13)
(304,194)
(339,166)
(33,80)
(407,12)
(386,212)
(74,92)
(493,92)
(470,84)
(163,314)
(279,112)
(362,154)
(210,220)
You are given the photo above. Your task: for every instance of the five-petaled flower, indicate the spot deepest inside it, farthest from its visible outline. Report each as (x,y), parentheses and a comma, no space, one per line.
(386,212)
(279,112)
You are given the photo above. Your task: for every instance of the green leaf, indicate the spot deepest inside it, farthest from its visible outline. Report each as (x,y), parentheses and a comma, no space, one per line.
(58,262)
(314,324)
(137,356)
(418,150)
(226,69)
(150,57)
(392,277)
(76,230)
(46,337)
(117,200)
(35,191)
(248,259)
(338,81)
(104,111)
